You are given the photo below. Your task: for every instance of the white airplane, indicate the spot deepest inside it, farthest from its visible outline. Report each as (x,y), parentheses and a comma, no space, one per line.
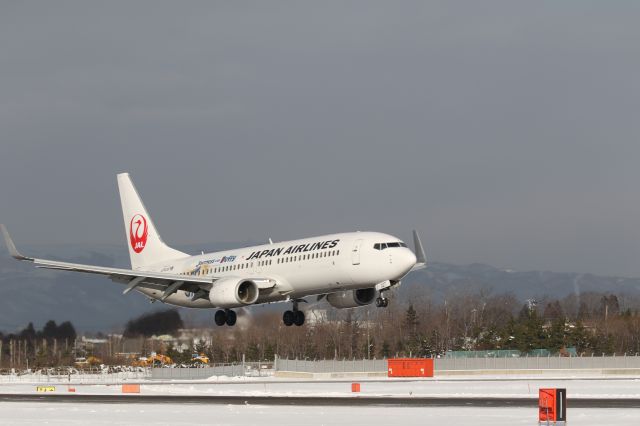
(349,269)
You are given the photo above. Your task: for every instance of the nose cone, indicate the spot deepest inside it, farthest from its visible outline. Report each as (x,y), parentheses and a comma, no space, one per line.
(406,260)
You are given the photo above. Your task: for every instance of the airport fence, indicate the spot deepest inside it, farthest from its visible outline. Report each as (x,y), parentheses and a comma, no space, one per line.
(332,365)
(539,363)
(246,369)
(461,364)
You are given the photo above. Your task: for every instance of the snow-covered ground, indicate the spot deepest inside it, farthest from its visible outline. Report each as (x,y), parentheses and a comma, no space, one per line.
(493,386)
(18,413)
(31,413)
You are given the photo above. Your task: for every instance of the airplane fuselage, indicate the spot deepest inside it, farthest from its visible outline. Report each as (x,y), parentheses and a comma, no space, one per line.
(310,266)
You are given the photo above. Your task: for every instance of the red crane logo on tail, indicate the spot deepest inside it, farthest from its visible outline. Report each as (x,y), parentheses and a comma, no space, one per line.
(138,233)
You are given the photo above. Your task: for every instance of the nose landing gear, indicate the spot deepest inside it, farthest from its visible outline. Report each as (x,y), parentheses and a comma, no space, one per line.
(226,316)
(382,302)
(293,317)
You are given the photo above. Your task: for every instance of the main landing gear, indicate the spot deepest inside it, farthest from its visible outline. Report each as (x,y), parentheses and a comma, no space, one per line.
(226,316)
(293,317)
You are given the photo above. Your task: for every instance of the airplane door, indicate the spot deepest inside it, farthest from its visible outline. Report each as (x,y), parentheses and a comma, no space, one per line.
(355,252)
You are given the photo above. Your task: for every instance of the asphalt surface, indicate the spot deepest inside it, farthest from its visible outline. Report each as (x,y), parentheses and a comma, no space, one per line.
(316,400)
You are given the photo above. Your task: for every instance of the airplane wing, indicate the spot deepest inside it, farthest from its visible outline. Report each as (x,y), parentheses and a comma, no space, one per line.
(168,283)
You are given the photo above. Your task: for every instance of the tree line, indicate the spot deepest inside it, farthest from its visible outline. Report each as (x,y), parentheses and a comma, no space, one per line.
(52,345)
(592,323)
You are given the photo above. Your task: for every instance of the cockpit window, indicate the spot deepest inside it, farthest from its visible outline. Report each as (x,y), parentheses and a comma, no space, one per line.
(382,246)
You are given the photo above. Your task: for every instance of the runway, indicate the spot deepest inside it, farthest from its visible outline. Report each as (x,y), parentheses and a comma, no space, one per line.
(317,400)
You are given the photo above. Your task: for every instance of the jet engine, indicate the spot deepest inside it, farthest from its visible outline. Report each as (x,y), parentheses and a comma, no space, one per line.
(233,293)
(352,298)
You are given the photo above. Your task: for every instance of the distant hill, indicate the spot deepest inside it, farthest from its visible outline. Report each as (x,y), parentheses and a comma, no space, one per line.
(440,279)
(94,303)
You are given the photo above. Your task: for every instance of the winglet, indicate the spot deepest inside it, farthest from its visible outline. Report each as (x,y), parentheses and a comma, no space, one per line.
(419,251)
(13,251)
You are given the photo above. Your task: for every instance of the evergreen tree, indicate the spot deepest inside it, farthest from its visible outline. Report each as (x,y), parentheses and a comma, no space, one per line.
(50,330)
(253,352)
(385,350)
(66,331)
(269,352)
(579,338)
(411,321)
(29,333)
(557,336)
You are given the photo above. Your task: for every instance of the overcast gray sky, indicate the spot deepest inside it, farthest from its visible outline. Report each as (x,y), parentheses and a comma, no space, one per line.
(506,132)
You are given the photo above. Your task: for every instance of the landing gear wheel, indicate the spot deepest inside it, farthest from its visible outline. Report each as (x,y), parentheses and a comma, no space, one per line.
(231,318)
(298,318)
(288,318)
(382,302)
(220,317)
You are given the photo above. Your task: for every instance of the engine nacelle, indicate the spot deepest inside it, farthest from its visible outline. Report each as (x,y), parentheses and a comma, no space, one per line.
(352,298)
(233,293)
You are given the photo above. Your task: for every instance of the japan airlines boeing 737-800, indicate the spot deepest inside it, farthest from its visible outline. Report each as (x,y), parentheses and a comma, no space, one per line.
(349,269)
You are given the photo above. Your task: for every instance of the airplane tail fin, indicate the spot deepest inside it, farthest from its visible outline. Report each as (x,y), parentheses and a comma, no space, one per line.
(145,245)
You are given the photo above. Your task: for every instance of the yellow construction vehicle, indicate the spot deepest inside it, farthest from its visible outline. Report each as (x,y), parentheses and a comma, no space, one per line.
(199,358)
(154,360)
(90,361)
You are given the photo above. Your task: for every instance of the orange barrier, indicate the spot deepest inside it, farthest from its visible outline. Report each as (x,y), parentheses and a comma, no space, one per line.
(355,387)
(131,388)
(552,405)
(410,367)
